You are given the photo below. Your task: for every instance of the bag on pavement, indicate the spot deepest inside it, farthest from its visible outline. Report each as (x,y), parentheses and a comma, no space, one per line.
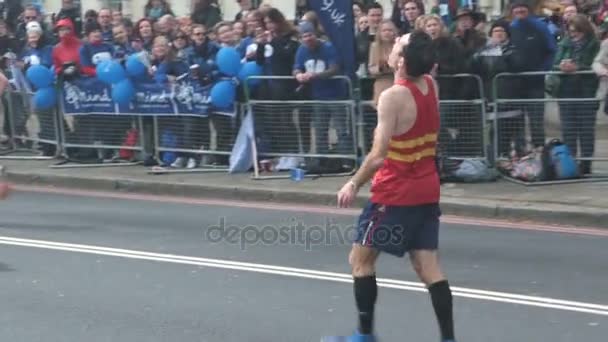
(558,163)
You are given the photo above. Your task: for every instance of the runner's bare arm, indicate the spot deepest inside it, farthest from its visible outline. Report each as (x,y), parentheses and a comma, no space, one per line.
(3,83)
(389,106)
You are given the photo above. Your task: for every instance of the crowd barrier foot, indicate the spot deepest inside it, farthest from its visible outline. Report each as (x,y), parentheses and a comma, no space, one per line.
(75,164)
(8,155)
(164,170)
(587,179)
(312,176)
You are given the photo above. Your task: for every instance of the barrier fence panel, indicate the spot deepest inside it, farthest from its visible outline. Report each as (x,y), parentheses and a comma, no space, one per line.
(533,108)
(295,131)
(462,106)
(29,130)
(96,140)
(368,119)
(189,144)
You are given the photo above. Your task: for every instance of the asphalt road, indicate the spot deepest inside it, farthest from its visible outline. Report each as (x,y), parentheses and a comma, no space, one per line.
(78,291)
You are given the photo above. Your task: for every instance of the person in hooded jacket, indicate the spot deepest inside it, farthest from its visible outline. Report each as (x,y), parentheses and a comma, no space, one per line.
(66,54)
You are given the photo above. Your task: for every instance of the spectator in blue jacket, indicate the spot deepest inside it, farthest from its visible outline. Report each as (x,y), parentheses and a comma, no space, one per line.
(36,52)
(202,54)
(95,50)
(122,45)
(166,67)
(105,21)
(315,63)
(538,46)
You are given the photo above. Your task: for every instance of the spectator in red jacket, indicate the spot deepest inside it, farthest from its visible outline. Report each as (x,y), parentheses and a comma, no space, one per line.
(66,54)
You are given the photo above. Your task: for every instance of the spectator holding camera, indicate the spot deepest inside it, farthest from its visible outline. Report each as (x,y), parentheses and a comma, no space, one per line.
(66,54)
(166,67)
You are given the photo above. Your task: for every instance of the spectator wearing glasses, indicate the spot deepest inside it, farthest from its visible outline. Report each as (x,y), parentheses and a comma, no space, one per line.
(196,132)
(181,43)
(31,15)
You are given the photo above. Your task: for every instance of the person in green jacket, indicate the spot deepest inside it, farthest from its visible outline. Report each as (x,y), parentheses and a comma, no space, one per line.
(576,53)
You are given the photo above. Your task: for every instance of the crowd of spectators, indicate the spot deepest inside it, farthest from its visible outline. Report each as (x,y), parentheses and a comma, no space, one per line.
(469,42)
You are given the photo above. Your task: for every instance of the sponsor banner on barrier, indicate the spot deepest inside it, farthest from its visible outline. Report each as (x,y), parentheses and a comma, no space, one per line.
(91,96)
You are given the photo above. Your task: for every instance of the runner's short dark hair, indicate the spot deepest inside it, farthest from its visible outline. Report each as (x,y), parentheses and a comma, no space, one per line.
(419,54)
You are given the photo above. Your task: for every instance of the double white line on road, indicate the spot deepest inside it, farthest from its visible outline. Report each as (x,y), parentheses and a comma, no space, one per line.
(503,297)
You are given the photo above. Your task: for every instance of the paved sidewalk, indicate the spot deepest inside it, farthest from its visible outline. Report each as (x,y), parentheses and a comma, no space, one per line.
(582,204)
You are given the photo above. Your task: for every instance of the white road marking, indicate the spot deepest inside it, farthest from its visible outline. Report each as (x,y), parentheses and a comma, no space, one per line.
(551,303)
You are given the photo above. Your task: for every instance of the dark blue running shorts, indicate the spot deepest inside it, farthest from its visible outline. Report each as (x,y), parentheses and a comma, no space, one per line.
(397,230)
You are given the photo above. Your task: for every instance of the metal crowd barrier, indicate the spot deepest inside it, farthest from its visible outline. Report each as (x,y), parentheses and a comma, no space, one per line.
(101,140)
(464,132)
(29,131)
(527,103)
(294,132)
(191,144)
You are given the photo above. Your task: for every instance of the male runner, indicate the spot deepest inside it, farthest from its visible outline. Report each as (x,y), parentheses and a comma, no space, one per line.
(403,212)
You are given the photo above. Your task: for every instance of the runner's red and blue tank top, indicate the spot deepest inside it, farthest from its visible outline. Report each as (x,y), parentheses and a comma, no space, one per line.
(409,174)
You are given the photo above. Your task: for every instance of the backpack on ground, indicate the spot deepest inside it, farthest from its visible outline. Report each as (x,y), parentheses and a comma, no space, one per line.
(558,163)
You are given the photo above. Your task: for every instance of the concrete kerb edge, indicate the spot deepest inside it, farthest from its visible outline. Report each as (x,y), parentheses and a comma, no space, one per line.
(450,206)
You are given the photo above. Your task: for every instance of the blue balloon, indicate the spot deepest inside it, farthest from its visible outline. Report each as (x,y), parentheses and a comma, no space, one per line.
(223,94)
(228,61)
(123,92)
(45,98)
(135,67)
(250,69)
(40,76)
(110,72)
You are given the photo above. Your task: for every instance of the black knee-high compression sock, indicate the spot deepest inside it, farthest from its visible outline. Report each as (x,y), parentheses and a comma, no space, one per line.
(366,292)
(441,296)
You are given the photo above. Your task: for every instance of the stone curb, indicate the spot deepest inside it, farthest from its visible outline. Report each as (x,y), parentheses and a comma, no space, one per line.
(457,206)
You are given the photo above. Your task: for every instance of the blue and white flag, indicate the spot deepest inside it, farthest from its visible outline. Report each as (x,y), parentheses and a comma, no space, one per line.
(337,19)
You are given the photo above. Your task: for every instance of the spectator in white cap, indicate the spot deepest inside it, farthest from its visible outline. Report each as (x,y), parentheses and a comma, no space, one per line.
(36,51)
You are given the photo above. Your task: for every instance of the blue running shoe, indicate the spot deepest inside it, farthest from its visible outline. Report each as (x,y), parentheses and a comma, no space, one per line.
(356,337)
